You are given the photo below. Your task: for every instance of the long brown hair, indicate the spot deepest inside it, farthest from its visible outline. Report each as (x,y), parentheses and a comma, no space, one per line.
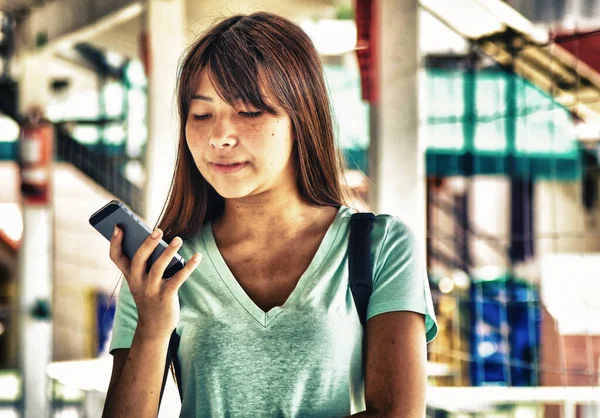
(246,55)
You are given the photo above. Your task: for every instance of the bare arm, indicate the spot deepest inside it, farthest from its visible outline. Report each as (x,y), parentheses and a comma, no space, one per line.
(396,360)
(134,389)
(136,381)
(119,359)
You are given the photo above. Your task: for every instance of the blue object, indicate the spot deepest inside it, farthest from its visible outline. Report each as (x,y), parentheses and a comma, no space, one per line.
(105,315)
(505,333)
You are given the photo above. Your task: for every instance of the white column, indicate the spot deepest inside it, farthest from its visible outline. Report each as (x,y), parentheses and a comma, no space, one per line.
(398,160)
(165,21)
(34,85)
(35,265)
(35,284)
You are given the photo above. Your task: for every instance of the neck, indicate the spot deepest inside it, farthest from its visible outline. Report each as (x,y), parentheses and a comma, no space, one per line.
(261,218)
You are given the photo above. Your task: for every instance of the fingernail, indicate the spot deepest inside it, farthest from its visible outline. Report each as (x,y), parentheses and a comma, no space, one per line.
(116,231)
(156,233)
(176,241)
(196,258)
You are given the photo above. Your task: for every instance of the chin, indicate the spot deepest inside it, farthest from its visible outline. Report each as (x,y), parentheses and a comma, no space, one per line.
(229,192)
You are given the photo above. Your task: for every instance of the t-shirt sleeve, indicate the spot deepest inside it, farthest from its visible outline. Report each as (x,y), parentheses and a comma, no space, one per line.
(125,322)
(400,280)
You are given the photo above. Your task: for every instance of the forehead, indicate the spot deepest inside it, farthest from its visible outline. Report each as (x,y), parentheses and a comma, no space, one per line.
(204,83)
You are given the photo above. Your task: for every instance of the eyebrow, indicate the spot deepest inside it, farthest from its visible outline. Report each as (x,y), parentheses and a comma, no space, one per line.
(200,97)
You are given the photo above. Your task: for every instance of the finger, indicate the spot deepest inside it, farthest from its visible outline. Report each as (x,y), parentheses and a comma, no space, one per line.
(116,252)
(175,282)
(160,265)
(141,256)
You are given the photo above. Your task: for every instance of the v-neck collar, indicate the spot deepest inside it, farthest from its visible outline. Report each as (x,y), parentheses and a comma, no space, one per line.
(304,283)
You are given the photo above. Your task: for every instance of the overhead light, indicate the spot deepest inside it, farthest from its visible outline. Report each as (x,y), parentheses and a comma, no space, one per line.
(134,72)
(488,273)
(64,46)
(9,129)
(458,185)
(487,348)
(11,221)
(461,279)
(585,131)
(113,99)
(135,173)
(114,60)
(330,36)
(446,285)
(114,134)
(11,386)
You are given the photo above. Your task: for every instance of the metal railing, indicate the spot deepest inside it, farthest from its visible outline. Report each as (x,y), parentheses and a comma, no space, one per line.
(106,169)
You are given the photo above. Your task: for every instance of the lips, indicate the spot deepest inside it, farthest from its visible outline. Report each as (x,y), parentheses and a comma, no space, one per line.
(226,167)
(227,163)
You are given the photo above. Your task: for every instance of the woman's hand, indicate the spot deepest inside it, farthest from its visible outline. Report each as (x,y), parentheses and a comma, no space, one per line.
(155,298)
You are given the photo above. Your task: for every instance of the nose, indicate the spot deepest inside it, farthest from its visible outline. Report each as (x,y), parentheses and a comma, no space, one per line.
(223,135)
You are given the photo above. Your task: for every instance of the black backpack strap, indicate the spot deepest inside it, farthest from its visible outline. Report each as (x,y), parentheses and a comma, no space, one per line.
(177,366)
(172,358)
(360,263)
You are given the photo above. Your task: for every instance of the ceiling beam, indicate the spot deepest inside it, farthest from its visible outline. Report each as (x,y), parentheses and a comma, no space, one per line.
(62,23)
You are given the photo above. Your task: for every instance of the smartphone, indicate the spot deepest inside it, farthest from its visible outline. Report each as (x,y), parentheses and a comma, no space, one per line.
(134,230)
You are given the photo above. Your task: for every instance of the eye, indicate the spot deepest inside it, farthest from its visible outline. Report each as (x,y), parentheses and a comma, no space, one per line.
(251,114)
(201,117)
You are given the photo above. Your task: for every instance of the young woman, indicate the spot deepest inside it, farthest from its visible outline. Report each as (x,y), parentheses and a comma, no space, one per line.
(267,321)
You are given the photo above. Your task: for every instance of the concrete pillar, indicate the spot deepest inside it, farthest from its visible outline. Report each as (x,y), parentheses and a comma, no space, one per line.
(35,265)
(34,84)
(166,42)
(397,156)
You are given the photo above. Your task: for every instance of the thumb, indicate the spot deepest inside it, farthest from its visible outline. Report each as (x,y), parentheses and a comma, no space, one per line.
(182,275)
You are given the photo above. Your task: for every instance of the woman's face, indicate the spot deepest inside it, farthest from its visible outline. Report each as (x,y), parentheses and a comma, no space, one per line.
(239,150)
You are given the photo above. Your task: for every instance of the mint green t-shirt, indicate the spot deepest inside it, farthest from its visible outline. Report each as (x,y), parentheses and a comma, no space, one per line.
(302,359)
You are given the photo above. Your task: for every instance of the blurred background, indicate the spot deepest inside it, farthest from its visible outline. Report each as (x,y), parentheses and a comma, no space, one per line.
(475,121)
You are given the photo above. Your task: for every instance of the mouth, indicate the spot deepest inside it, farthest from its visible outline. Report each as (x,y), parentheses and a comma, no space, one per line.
(228,167)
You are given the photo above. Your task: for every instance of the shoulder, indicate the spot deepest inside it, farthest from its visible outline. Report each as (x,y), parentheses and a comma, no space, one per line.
(390,236)
(390,233)
(387,230)
(392,226)
(384,225)
(393,237)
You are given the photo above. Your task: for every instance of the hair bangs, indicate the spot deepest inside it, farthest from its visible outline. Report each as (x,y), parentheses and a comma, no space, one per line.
(237,77)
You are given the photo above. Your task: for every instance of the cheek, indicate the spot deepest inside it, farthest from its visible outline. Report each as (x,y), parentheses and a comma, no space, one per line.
(191,132)
(193,136)
(194,144)
(278,147)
